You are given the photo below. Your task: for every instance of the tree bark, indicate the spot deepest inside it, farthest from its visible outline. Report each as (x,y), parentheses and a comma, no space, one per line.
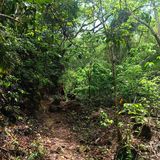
(156,17)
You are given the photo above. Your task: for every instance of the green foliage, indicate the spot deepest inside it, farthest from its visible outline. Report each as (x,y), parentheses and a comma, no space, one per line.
(11,95)
(109,52)
(136,110)
(39,1)
(96,76)
(105,120)
(32,49)
(9,44)
(97,50)
(128,79)
(38,150)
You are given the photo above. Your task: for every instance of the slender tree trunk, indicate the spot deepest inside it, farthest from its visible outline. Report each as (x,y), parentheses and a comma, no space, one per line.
(113,62)
(89,82)
(157,38)
(34,21)
(156,17)
(1,6)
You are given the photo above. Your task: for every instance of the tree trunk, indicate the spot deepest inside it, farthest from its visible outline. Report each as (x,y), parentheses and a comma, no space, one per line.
(156,17)
(157,38)
(113,63)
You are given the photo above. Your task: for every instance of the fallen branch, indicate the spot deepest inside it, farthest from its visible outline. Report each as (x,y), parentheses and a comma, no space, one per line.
(3,149)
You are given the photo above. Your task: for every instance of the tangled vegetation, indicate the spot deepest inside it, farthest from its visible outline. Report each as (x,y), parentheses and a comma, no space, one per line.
(97,59)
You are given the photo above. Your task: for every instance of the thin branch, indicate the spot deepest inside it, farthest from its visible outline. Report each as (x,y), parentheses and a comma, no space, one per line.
(85,25)
(140,7)
(149,59)
(150,28)
(9,17)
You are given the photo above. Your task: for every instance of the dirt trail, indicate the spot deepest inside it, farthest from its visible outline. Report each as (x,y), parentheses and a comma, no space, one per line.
(59,140)
(62,143)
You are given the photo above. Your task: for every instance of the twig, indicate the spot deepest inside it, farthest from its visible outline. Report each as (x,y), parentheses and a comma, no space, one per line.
(9,17)
(3,149)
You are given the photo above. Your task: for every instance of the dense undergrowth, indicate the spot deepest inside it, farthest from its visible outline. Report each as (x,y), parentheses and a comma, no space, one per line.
(98,54)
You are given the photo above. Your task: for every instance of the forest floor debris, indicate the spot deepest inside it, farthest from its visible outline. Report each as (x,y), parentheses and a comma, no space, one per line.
(70,135)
